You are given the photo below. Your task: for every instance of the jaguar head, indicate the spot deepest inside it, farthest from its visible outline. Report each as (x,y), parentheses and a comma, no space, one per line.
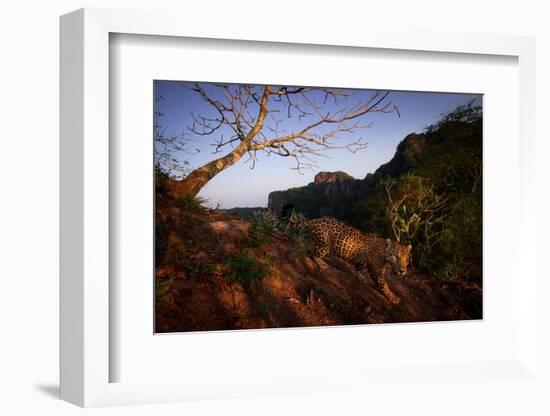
(397,255)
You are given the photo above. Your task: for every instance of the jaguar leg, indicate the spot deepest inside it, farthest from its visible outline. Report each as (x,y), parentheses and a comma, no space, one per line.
(384,288)
(392,297)
(319,254)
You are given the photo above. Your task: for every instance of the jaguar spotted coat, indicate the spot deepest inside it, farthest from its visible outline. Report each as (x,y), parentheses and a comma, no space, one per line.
(377,255)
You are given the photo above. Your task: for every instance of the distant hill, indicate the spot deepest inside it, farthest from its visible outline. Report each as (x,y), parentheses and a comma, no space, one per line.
(331,193)
(409,153)
(335,193)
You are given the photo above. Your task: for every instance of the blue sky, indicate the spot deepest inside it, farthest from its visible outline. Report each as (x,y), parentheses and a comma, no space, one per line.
(241,186)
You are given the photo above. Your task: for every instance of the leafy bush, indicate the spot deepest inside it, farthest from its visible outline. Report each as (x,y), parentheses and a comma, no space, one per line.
(302,249)
(190,202)
(266,220)
(243,268)
(437,204)
(262,224)
(162,288)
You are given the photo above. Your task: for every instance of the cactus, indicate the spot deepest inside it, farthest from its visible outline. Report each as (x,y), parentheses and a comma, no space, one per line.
(407,223)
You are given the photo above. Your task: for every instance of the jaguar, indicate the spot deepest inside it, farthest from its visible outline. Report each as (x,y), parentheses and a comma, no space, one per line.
(377,255)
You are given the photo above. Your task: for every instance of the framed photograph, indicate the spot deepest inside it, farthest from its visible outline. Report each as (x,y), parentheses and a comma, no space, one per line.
(235,230)
(261,222)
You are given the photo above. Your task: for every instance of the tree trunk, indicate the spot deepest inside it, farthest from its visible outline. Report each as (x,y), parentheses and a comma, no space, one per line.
(193,183)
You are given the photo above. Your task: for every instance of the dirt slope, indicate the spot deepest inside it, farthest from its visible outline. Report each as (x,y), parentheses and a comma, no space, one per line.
(214,272)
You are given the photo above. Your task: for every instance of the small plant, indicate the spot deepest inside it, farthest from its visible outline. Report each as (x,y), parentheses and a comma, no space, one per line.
(183,251)
(405,223)
(293,226)
(160,179)
(162,288)
(264,310)
(301,251)
(266,220)
(245,269)
(190,202)
(445,271)
(258,236)
(263,223)
(191,264)
(203,268)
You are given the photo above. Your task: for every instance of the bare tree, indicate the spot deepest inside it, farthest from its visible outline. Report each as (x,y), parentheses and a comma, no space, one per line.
(169,147)
(253,117)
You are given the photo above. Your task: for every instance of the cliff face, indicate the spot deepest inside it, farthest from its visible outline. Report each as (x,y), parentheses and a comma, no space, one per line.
(331,177)
(408,154)
(335,193)
(329,194)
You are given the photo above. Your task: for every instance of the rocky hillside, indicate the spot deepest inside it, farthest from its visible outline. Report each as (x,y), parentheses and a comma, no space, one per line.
(335,193)
(409,153)
(215,271)
(331,193)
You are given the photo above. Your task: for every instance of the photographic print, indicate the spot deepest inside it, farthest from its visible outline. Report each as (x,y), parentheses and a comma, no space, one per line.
(296,206)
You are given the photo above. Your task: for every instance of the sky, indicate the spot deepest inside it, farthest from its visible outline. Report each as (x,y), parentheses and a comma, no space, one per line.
(241,186)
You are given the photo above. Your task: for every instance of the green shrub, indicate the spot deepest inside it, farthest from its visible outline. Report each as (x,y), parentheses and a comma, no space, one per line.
(302,251)
(266,220)
(264,309)
(162,288)
(437,204)
(258,237)
(243,268)
(190,202)
(445,271)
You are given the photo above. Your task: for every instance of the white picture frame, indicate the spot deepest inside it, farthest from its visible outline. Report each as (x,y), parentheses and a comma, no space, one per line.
(85,213)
